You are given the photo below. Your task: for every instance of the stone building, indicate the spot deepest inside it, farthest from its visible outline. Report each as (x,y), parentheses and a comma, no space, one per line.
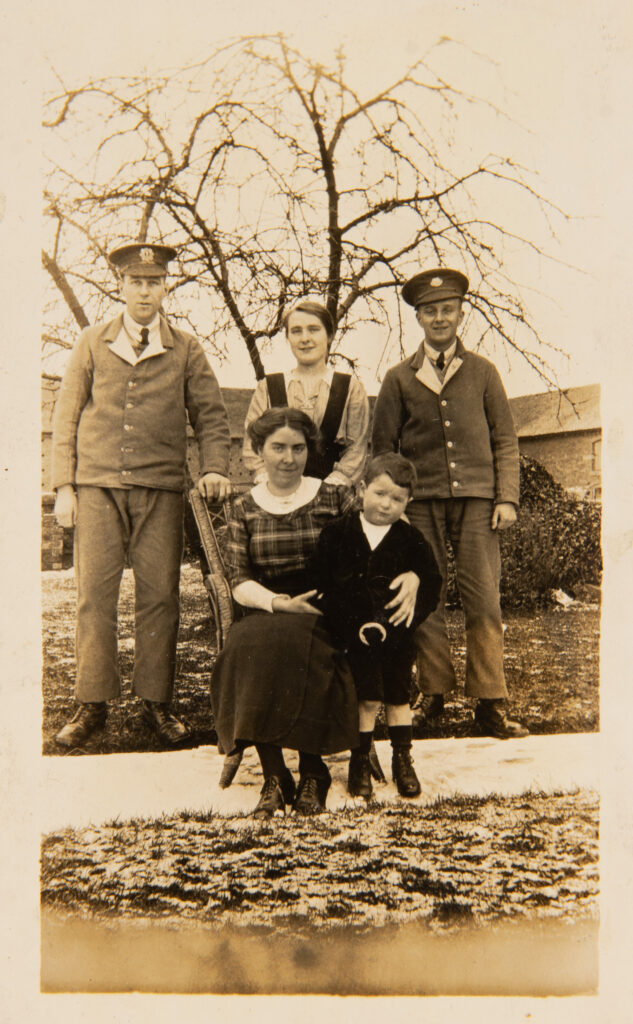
(562,431)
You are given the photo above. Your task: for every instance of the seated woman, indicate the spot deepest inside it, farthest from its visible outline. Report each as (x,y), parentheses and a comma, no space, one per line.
(336,402)
(279,681)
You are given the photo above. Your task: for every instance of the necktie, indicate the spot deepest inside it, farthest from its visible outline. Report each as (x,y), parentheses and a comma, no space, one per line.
(142,344)
(440,361)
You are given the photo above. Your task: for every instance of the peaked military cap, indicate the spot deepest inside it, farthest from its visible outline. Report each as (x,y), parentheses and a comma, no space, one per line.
(142,258)
(435,285)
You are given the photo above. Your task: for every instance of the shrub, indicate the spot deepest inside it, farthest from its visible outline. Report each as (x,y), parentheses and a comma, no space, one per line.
(554,544)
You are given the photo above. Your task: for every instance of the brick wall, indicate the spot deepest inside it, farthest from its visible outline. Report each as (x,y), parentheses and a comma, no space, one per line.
(573,459)
(57,543)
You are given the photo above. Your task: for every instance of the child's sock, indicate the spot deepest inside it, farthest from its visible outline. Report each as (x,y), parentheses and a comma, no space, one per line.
(365,742)
(400,735)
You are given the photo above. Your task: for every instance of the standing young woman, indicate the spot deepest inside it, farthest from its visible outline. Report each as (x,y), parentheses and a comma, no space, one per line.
(335,402)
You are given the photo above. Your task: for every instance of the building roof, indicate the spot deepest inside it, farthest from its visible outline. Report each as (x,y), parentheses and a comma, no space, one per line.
(557,412)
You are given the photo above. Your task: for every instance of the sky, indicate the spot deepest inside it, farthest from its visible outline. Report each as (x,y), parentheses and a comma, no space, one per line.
(551,71)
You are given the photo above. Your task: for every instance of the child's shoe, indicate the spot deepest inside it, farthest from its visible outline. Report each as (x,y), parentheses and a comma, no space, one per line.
(404,773)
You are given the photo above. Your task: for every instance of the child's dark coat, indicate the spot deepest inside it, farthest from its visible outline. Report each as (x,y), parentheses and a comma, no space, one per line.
(354,582)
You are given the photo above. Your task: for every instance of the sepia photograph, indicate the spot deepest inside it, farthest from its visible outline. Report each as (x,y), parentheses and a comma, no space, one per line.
(317,545)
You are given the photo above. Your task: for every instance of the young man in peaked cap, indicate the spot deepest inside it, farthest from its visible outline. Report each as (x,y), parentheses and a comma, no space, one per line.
(446,410)
(119,458)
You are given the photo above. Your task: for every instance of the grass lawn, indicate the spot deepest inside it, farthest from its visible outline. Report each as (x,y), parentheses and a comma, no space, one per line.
(462,860)
(467,896)
(552,669)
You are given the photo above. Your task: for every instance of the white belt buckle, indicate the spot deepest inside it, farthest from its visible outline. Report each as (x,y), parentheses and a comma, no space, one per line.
(372,625)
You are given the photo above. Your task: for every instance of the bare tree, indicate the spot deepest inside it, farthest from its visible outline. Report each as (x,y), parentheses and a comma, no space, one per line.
(274,178)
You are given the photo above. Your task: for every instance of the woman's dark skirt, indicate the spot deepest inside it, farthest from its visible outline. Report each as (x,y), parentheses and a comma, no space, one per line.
(279,680)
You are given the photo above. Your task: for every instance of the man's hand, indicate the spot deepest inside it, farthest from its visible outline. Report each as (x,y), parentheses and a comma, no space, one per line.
(404,602)
(298,605)
(503,515)
(214,487)
(66,506)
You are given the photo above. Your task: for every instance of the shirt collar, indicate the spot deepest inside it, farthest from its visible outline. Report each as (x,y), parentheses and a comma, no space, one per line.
(417,359)
(134,330)
(432,353)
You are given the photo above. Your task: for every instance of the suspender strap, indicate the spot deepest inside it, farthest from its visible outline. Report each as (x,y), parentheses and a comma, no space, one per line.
(276,389)
(335,406)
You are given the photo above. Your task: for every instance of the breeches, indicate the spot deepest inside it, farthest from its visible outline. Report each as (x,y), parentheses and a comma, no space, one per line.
(466,523)
(143,527)
(383,672)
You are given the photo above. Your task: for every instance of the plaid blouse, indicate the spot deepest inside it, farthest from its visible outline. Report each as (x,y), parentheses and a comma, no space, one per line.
(274,549)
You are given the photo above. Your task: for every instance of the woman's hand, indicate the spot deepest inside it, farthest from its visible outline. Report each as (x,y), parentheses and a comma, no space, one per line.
(406,584)
(298,605)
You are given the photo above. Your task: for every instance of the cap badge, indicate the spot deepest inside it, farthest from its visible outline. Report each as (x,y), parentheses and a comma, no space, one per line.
(147,255)
(436,282)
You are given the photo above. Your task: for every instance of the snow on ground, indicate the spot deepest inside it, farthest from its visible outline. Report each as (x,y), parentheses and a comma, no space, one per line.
(83,790)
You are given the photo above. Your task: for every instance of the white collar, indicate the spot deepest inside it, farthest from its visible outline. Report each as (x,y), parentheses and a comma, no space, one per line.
(373,532)
(432,353)
(134,329)
(130,334)
(280,504)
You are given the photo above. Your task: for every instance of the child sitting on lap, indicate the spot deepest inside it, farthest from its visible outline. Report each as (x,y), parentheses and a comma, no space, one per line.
(359,562)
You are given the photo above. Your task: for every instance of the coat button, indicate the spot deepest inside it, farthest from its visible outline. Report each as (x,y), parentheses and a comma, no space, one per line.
(453,464)
(449,444)
(447,423)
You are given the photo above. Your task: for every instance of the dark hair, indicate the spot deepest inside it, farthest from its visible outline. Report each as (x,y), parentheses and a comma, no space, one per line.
(401,471)
(314,309)
(283,416)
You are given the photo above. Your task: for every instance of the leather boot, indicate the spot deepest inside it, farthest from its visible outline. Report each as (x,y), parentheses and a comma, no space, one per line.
(271,799)
(404,773)
(312,794)
(427,709)
(167,726)
(87,718)
(491,720)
